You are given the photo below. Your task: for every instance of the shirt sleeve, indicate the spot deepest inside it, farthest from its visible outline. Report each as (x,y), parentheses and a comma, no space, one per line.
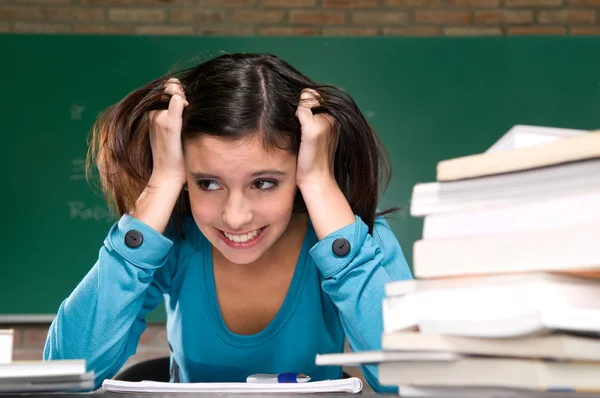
(355,280)
(102,320)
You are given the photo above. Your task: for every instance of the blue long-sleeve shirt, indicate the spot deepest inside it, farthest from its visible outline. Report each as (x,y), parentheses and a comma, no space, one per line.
(330,298)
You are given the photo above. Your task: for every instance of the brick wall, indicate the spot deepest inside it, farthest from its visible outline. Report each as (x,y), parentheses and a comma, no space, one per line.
(302,17)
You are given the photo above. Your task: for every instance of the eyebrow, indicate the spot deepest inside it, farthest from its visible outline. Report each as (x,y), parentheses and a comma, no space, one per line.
(260,173)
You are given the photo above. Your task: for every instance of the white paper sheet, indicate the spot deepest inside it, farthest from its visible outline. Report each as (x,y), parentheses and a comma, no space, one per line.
(351,385)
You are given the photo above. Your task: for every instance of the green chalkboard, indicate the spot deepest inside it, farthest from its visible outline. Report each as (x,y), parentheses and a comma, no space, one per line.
(429,99)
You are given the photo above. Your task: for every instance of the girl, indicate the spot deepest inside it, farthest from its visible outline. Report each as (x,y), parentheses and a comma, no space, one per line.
(247,196)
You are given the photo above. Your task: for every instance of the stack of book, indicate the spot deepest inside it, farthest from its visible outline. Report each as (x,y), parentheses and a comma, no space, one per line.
(505,290)
(40,376)
(6,345)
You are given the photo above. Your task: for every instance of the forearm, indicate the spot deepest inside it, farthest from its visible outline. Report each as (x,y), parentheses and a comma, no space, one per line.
(355,282)
(155,205)
(98,321)
(327,206)
(102,319)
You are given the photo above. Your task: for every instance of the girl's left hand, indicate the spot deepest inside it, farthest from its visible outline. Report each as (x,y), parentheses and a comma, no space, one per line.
(317,144)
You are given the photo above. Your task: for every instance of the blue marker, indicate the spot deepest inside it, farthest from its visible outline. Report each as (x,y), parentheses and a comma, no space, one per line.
(278,378)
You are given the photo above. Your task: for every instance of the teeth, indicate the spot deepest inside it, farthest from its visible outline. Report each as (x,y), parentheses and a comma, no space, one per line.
(242,238)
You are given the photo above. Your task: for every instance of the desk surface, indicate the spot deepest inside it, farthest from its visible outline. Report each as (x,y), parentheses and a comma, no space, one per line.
(212,395)
(187,394)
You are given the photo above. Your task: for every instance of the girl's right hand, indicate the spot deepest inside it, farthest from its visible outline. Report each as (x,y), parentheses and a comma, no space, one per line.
(165,137)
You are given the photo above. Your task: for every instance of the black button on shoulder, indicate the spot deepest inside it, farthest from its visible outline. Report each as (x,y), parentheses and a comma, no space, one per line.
(134,238)
(341,247)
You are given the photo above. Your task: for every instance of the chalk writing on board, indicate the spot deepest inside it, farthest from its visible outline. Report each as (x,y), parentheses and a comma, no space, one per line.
(77,169)
(77,111)
(78,210)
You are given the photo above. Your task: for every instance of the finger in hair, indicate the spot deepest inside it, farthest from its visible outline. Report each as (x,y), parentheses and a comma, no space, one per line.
(324,119)
(151,116)
(309,98)
(173,80)
(176,106)
(173,88)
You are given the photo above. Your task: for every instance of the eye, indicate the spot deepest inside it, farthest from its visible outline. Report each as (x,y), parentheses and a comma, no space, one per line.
(265,185)
(208,185)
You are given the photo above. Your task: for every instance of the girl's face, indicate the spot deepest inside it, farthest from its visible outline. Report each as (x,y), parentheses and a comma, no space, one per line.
(241,195)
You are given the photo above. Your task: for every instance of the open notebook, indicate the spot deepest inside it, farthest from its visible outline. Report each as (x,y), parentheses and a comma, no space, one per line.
(351,385)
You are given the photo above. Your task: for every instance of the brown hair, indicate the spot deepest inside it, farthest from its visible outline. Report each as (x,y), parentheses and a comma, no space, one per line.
(234,95)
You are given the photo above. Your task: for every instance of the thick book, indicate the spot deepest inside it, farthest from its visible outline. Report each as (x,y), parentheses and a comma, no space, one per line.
(565,150)
(484,392)
(498,310)
(350,385)
(555,211)
(38,384)
(407,286)
(505,189)
(572,247)
(494,372)
(524,135)
(561,346)
(378,356)
(32,369)
(6,345)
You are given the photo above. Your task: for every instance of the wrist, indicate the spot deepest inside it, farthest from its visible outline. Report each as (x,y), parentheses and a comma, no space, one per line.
(317,183)
(327,205)
(156,203)
(167,181)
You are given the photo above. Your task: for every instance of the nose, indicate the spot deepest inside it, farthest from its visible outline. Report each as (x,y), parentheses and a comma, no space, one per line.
(237,212)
